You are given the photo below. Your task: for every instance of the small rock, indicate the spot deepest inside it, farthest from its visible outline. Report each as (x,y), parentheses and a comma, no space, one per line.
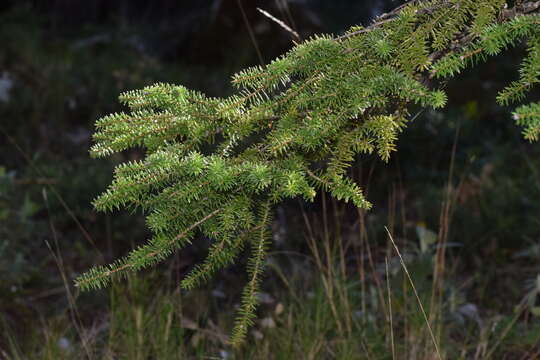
(268,322)
(265,298)
(257,334)
(279,309)
(218,293)
(64,343)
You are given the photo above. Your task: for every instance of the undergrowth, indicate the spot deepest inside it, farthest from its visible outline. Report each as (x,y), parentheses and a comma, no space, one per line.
(323,304)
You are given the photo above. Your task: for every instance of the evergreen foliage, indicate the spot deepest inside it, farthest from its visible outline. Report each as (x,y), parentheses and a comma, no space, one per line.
(217,165)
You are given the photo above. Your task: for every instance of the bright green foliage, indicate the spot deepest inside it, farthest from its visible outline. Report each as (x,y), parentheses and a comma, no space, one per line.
(216,166)
(528,116)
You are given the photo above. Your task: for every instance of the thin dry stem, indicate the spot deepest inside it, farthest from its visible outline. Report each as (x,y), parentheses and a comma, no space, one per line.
(390,309)
(416,294)
(280,23)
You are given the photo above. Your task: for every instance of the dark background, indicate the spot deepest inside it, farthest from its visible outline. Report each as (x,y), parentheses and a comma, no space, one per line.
(63,64)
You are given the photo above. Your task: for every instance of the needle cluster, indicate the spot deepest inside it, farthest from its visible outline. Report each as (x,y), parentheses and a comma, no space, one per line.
(216,166)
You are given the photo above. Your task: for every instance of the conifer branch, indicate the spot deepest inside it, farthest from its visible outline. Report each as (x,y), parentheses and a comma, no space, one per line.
(294,126)
(86,282)
(255,268)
